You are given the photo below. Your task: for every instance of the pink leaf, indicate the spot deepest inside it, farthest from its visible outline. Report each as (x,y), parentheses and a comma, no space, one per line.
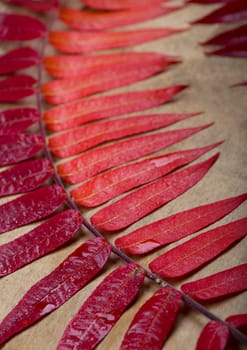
(13,121)
(213,337)
(16,88)
(17,59)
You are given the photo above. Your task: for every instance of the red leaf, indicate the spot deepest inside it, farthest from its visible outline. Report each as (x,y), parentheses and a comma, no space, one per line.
(15,27)
(67,90)
(223,283)
(16,88)
(97,20)
(17,59)
(233,36)
(30,207)
(196,252)
(67,66)
(77,113)
(239,321)
(207,2)
(97,160)
(121,4)
(214,336)
(13,121)
(53,290)
(110,184)
(153,321)
(15,148)
(243,83)
(43,239)
(143,201)
(103,308)
(40,5)
(176,226)
(85,137)
(79,42)
(235,50)
(25,177)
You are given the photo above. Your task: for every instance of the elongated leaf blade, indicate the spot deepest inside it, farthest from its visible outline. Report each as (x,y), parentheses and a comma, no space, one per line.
(234,50)
(214,336)
(110,184)
(77,113)
(25,177)
(153,321)
(13,121)
(196,252)
(239,321)
(85,137)
(233,36)
(93,162)
(218,285)
(30,207)
(42,240)
(121,4)
(80,42)
(17,59)
(143,201)
(103,308)
(15,27)
(207,2)
(176,226)
(39,6)
(16,88)
(53,290)
(15,148)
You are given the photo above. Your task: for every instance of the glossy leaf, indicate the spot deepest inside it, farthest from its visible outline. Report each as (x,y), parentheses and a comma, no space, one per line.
(196,252)
(143,201)
(96,20)
(14,27)
(15,148)
(153,321)
(176,226)
(16,88)
(42,240)
(77,113)
(121,4)
(221,284)
(93,162)
(13,121)
(85,137)
(40,5)
(25,176)
(80,42)
(233,36)
(17,59)
(214,336)
(54,289)
(235,50)
(114,182)
(239,321)
(103,308)
(30,207)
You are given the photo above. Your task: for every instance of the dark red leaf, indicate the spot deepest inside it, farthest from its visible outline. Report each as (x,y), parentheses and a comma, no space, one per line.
(143,201)
(43,239)
(223,283)
(25,176)
(15,148)
(233,36)
(30,207)
(17,59)
(97,160)
(112,183)
(101,20)
(14,27)
(243,83)
(235,50)
(239,321)
(85,137)
(39,6)
(153,321)
(214,336)
(13,121)
(196,252)
(77,113)
(176,226)
(16,88)
(208,2)
(103,308)
(121,4)
(53,290)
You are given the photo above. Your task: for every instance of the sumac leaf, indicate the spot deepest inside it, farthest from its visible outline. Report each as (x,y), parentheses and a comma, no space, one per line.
(77,113)
(17,59)
(233,36)
(153,321)
(16,88)
(221,284)
(25,176)
(214,336)
(239,321)
(199,250)
(207,2)
(13,121)
(43,239)
(121,4)
(15,148)
(243,83)
(30,207)
(112,183)
(39,6)
(148,198)
(103,158)
(234,50)
(14,27)
(54,289)
(103,308)
(176,226)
